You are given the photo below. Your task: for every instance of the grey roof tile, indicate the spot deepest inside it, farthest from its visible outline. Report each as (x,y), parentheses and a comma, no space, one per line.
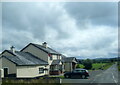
(69,59)
(56,62)
(48,49)
(25,58)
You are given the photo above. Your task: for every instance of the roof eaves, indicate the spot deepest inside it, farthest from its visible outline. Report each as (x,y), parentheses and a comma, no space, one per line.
(32,65)
(45,50)
(55,53)
(39,48)
(8,52)
(26,46)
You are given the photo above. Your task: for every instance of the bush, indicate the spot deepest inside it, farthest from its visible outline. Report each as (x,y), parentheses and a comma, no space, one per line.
(88,64)
(80,66)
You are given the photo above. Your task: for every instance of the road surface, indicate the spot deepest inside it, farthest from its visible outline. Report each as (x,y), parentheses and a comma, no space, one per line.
(107,76)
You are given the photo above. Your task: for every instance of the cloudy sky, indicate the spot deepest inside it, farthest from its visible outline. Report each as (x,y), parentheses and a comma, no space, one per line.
(85,29)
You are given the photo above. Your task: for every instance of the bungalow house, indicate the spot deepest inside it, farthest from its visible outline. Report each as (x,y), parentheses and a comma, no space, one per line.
(34,60)
(22,65)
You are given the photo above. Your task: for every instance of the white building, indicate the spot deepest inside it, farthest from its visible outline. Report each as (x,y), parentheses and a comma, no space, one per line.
(34,60)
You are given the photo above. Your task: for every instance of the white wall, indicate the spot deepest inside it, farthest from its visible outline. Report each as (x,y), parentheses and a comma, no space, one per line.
(54,57)
(68,66)
(1,70)
(0,63)
(21,71)
(29,71)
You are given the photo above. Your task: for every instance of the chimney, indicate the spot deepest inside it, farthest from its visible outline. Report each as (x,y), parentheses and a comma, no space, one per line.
(44,44)
(12,48)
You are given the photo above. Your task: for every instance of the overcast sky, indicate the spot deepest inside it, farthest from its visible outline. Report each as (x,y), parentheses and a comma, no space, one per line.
(86,29)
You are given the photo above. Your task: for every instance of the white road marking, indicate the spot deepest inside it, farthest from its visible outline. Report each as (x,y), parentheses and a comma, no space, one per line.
(95,78)
(114,78)
(60,80)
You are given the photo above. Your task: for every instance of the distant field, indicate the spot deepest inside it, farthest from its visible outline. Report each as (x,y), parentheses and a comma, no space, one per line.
(97,66)
(103,66)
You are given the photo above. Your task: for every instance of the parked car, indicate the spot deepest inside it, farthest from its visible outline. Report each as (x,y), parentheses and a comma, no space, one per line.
(77,73)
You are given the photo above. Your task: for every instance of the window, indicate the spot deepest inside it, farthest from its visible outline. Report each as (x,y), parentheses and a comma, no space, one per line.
(78,71)
(50,57)
(41,70)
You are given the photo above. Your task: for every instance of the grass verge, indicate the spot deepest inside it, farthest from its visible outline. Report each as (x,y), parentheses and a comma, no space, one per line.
(107,65)
(50,81)
(98,66)
(62,77)
(118,65)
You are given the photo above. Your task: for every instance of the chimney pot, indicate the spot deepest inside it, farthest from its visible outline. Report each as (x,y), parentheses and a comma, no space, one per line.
(44,44)
(12,48)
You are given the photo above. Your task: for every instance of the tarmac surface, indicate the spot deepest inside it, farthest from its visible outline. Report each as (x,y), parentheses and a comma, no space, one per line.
(100,77)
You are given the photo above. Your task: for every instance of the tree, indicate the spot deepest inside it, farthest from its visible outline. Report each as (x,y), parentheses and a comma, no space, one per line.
(78,66)
(87,63)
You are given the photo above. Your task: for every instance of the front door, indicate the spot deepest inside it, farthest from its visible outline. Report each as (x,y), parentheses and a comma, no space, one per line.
(5,72)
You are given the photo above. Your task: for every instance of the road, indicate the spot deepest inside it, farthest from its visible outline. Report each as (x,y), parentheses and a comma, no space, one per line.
(101,77)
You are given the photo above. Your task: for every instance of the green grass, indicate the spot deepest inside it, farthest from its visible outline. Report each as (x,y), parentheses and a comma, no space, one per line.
(97,66)
(103,66)
(107,65)
(57,77)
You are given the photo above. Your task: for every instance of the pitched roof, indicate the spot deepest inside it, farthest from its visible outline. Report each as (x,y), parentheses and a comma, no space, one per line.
(47,50)
(25,58)
(70,59)
(55,62)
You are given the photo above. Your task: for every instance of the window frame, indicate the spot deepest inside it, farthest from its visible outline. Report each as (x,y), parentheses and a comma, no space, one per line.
(41,70)
(51,58)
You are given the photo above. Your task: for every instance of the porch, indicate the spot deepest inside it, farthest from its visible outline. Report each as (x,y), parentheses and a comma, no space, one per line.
(56,67)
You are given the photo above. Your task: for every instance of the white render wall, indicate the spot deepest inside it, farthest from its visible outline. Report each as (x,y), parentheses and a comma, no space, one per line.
(0,63)
(29,71)
(55,57)
(1,70)
(68,66)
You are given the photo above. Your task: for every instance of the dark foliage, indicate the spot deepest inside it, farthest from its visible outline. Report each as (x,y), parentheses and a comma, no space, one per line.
(87,63)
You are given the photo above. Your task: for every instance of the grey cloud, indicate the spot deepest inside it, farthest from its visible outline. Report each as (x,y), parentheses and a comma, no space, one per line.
(60,24)
(29,17)
(98,13)
(0,27)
